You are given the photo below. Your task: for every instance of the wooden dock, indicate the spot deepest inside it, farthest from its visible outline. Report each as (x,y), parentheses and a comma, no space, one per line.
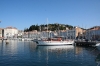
(85,43)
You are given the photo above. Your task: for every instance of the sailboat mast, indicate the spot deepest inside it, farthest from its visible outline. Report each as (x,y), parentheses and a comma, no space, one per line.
(47,24)
(47,28)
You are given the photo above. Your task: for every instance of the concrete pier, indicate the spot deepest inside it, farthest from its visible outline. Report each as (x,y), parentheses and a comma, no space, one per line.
(85,43)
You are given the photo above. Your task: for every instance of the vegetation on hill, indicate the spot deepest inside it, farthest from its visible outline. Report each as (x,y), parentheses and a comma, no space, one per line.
(51,27)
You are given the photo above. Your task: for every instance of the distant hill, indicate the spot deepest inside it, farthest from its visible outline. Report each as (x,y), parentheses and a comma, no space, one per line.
(51,27)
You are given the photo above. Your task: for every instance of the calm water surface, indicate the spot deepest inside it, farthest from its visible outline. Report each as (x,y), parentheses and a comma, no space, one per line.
(18,53)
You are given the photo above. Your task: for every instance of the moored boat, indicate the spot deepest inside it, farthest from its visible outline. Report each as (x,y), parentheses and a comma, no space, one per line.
(55,41)
(98,45)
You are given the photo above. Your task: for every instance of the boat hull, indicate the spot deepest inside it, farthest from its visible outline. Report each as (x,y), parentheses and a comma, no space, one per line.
(98,45)
(50,43)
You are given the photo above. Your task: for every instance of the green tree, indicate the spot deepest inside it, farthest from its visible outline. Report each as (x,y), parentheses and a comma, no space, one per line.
(26,30)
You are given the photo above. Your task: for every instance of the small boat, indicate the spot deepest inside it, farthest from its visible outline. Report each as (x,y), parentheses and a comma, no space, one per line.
(98,46)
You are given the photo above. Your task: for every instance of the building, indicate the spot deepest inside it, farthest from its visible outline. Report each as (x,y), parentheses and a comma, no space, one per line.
(20,33)
(30,34)
(75,33)
(79,33)
(10,32)
(71,34)
(93,33)
(1,33)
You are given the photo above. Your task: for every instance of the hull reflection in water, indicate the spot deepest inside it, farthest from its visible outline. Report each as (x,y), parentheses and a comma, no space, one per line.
(55,53)
(64,47)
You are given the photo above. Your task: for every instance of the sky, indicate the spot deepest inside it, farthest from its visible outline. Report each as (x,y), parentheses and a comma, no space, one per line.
(24,13)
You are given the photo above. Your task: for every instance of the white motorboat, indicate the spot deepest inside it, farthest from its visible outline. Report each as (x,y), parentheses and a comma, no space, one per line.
(98,45)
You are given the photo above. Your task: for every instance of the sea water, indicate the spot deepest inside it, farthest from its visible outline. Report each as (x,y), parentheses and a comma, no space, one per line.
(27,53)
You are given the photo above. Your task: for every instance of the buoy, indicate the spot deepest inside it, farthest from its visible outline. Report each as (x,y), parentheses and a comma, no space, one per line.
(7,42)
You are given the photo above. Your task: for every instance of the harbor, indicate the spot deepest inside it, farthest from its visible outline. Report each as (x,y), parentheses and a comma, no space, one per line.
(46,36)
(18,53)
(68,47)
(49,33)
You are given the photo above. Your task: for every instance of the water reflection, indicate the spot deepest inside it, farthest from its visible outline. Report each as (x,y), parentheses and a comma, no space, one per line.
(88,53)
(98,59)
(55,54)
(91,50)
(9,49)
(78,50)
(16,47)
(28,53)
(55,48)
(98,47)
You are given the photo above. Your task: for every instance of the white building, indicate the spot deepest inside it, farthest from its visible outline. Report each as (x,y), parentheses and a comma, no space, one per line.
(20,33)
(1,31)
(93,34)
(10,32)
(30,34)
(73,33)
(69,34)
